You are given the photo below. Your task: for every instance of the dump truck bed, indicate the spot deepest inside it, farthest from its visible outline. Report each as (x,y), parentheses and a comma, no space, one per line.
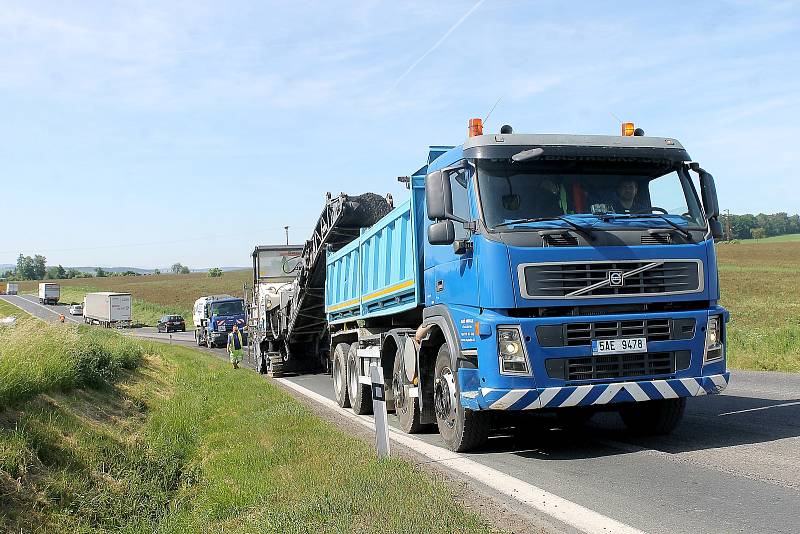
(378,273)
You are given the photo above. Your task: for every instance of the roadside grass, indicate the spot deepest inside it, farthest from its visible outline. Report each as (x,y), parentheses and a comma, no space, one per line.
(183,443)
(759,285)
(36,357)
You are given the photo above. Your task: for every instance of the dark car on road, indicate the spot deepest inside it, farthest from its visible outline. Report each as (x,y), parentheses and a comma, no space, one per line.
(171,323)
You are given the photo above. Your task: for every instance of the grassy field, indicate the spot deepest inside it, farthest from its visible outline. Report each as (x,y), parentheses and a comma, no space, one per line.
(185,444)
(153,296)
(760,286)
(787,238)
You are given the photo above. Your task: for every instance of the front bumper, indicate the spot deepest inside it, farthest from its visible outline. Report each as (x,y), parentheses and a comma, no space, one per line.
(593,394)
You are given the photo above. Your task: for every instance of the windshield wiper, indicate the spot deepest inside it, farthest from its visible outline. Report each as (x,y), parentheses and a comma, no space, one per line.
(584,230)
(683,231)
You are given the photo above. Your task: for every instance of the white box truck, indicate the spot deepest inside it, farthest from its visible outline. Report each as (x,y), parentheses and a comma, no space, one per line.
(107,308)
(12,288)
(49,293)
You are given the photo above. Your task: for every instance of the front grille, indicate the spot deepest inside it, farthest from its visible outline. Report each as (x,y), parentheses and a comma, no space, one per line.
(593,279)
(582,333)
(611,366)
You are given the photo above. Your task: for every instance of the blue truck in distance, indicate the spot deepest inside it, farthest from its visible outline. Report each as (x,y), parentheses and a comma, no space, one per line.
(559,273)
(214,318)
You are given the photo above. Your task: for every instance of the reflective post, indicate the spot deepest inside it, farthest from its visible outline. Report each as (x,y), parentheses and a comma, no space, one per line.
(379,409)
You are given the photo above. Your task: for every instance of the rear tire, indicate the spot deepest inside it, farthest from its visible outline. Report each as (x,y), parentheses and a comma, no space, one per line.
(405,407)
(340,374)
(360,394)
(461,429)
(656,417)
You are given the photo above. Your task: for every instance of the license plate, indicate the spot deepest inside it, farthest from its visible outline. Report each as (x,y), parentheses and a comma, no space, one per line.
(619,345)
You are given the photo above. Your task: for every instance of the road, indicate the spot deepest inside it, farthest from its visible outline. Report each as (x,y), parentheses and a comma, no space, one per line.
(732,466)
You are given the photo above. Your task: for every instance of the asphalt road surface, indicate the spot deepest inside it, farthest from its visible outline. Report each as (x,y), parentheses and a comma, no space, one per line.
(732,466)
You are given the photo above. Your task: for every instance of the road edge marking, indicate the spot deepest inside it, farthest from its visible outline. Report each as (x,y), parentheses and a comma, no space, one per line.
(559,508)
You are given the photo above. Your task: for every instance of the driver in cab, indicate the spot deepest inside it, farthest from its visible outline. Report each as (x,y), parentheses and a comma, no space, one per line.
(625,198)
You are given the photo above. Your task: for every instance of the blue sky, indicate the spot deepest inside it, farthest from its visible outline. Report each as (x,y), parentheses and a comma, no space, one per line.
(192,131)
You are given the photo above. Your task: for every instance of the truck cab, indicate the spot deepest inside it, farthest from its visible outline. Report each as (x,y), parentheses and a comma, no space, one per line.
(214,318)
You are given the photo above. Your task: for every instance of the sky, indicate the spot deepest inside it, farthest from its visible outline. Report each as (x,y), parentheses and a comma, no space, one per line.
(147,133)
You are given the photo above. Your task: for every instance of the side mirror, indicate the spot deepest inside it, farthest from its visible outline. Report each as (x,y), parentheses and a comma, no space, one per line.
(716,228)
(438,197)
(442,233)
(708,192)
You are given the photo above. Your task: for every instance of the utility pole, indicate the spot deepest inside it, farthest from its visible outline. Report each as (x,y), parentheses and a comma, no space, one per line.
(286,229)
(728,225)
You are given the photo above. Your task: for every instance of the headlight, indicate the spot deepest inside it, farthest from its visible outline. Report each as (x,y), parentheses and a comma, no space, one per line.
(513,359)
(714,347)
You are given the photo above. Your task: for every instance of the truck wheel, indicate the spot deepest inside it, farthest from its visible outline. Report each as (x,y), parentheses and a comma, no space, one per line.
(405,407)
(461,429)
(340,374)
(360,394)
(653,417)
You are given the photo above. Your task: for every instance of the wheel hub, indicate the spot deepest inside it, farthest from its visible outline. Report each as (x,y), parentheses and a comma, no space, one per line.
(399,392)
(444,397)
(337,375)
(352,379)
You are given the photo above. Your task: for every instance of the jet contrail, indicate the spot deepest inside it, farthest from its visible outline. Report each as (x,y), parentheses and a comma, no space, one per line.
(436,44)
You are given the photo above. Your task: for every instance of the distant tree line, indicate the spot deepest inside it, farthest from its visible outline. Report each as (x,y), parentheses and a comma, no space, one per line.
(35,268)
(749,226)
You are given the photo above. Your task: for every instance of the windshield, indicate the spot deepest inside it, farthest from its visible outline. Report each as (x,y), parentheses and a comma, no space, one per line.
(278,265)
(518,193)
(233,307)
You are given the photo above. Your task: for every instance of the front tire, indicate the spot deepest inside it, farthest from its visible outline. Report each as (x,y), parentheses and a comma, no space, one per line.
(340,374)
(461,429)
(656,417)
(360,394)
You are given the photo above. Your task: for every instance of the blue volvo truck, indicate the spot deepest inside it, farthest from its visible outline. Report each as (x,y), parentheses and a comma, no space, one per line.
(559,273)
(214,318)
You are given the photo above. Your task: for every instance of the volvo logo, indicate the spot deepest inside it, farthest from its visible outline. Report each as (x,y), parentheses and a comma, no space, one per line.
(615,279)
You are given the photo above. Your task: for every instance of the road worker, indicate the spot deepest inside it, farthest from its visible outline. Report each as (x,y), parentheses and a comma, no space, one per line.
(235,346)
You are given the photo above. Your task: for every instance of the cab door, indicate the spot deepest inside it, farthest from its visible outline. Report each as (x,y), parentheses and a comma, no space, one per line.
(451,275)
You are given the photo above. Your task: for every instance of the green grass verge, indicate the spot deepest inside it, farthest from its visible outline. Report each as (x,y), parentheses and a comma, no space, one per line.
(184,443)
(143,312)
(36,357)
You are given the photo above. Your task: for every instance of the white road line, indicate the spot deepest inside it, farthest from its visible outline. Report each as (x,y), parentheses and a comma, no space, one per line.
(761,408)
(66,315)
(563,510)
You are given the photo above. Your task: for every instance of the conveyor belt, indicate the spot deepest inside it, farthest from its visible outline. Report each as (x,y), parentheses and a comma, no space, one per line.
(339,223)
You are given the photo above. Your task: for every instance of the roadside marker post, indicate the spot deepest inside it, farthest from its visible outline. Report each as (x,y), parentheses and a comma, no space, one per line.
(379,409)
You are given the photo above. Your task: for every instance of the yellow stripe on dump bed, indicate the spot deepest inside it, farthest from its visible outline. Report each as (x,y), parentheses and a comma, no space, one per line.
(345,304)
(390,289)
